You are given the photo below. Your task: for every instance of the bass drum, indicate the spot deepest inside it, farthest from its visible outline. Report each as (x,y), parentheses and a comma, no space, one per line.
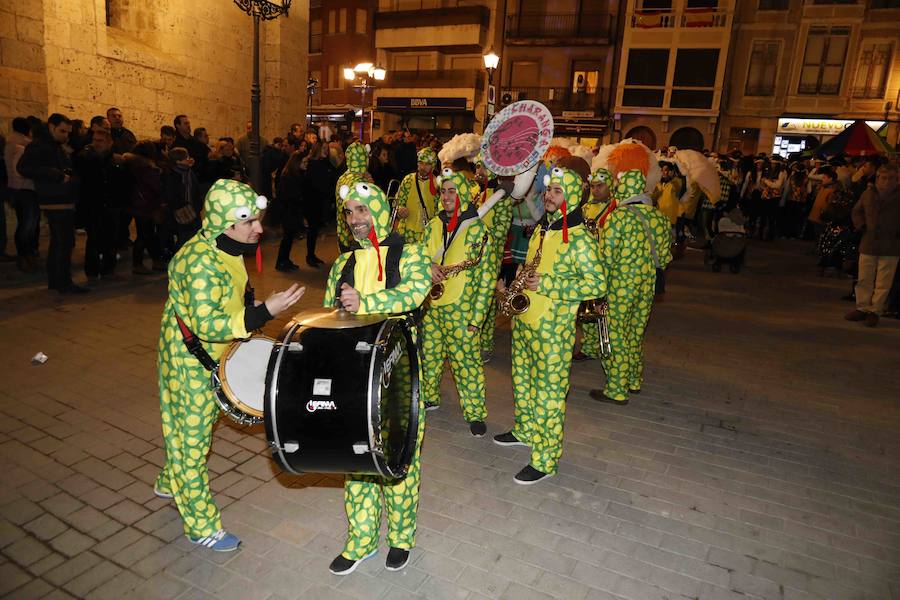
(342,394)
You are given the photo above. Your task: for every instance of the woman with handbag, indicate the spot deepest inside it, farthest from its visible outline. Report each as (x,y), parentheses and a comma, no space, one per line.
(146,207)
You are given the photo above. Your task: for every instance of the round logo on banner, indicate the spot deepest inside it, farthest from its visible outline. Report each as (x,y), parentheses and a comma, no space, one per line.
(517,137)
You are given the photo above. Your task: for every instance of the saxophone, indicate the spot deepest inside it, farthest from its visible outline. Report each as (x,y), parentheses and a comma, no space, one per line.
(437,290)
(515,301)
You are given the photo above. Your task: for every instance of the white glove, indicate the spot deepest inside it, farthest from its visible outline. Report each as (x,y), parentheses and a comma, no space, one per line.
(522,182)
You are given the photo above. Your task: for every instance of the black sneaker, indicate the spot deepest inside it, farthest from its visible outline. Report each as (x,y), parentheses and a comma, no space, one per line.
(478,428)
(345,566)
(599,396)
(397,558)
(73,289)
(507,439)
(529,476)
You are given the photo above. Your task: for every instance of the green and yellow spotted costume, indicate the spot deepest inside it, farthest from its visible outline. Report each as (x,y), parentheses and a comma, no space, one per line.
(446,334)
(543,336)
(365,495)
(625,251)
(207,290)
(596,211)
(357,161)
(420,197)
(497,221)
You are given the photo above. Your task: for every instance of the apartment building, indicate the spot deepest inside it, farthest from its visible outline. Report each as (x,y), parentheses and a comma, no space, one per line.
(673,59)
(802,70)
(562,53)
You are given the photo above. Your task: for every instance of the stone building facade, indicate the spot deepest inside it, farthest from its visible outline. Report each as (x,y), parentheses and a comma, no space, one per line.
(153,59)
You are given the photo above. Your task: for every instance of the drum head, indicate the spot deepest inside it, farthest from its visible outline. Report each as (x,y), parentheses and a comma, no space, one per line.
(243,373)
(395,383)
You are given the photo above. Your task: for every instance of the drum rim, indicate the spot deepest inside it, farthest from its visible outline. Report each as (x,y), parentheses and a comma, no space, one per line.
(272,397)
(224,386)
(380,465)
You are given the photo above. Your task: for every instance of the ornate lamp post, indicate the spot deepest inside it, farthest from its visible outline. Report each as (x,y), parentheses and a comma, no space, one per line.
(362,75)
(312,88)
(265,10)
(491,60)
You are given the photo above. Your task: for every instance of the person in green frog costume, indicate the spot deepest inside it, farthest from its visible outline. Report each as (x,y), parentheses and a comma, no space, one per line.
(417,198)
(356,158)
(497,220)
(379,274)
(598,207)
(633,233)
(208,292)
(452,322)
(544,335)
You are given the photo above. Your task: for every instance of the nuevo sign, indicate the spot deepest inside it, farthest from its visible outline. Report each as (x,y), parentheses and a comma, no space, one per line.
(790,125)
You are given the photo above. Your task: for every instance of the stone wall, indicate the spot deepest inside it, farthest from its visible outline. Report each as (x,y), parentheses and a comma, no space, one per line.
(23,80)
(160,58)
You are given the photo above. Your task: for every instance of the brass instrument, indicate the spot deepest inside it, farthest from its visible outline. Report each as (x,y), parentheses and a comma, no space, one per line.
(591,226)
(392,201)
(514,301)
(595,311)
(437,290)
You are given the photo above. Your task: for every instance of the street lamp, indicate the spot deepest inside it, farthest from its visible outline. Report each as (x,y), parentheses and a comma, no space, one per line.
(362,75)
(312,88)
(266,10)
(491,60)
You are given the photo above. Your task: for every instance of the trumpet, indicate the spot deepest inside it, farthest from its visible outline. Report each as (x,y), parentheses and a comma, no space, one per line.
(514,301)
(392,200)
(596,311)
(437,290)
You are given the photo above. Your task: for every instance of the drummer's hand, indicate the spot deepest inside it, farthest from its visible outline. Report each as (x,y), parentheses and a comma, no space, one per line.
(472,328)
(278,302)
(349,298)
(402,212)
(437,273)
(533,281)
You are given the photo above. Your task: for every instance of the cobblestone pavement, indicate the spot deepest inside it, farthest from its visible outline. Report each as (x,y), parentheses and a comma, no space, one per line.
(761,460)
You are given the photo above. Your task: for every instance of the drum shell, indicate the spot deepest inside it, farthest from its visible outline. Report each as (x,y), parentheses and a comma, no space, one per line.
(332,431)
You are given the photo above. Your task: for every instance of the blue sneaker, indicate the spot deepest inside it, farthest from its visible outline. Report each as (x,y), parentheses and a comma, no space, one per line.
(220,541)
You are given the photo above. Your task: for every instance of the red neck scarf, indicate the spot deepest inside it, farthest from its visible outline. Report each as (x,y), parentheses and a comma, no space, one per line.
(374,239)
(454,219)
(431,186)
(565,227)
(610,207)
(259,259)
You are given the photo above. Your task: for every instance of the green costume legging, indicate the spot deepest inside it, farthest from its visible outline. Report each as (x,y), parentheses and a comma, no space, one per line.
(446,336)
(630,301)
(590,340)
(540,374)
(363,500)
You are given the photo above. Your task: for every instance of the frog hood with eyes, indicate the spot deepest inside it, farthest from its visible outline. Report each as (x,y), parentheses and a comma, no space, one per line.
(630,184)
(572,187)
(601,175)
(228,202)
(357,158)
(466,191)
(375,200)
(427,155)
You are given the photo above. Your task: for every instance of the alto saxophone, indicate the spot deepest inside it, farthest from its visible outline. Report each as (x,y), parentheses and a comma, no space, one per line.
(437,290)
(596,311)
(515,301)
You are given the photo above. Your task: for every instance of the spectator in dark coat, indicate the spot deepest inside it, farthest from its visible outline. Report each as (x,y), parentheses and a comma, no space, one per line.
(381,170)
(28,213)
(97,174)
(322,172)
(123,139)
(224,162)
(146,207)
(46,162)
(290,203)
(182,198)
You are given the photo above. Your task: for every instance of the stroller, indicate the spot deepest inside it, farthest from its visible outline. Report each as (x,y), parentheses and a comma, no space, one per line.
(730,242)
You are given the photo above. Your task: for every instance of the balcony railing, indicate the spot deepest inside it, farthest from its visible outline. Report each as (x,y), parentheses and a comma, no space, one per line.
(441,78)
(559,25)
(559,99)
(667,19)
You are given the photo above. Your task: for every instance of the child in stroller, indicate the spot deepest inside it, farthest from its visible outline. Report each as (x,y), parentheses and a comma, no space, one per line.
(730,242)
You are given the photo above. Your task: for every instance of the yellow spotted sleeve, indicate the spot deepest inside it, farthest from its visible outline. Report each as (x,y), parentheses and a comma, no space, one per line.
(579,276)
(415,282)
(333,275)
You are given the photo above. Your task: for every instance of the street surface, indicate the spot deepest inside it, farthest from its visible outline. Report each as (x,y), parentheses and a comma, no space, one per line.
(761,460)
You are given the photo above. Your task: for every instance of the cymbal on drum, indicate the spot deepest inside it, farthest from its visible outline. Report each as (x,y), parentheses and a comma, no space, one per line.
(335,318)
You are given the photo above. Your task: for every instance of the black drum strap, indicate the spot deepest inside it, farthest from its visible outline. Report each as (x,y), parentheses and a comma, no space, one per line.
(195,347)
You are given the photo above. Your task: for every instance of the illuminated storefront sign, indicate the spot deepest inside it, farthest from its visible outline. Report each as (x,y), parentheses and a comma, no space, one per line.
(795,126)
